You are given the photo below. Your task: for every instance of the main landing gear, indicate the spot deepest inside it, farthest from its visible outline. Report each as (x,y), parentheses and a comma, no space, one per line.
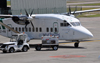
(76,44)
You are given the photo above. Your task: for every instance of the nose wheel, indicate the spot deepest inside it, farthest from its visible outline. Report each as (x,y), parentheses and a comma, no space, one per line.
(76,44)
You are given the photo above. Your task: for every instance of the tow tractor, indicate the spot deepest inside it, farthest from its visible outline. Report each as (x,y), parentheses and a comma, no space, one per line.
(48,41)
(17,43)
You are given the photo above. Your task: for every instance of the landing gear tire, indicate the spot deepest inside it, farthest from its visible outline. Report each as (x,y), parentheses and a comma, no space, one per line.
(76,45)
(11,50)
(55,47)
(25,49)
(38,47)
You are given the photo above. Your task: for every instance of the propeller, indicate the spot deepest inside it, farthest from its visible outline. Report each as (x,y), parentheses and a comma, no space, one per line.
(75,10)
(26,13)
(31,12)
(29,18)
(69,10)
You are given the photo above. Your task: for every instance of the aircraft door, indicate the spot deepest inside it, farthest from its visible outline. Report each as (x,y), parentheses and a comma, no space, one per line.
(9,32)
(55,27)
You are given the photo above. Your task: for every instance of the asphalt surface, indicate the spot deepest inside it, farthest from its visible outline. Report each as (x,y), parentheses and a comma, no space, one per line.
(88,51)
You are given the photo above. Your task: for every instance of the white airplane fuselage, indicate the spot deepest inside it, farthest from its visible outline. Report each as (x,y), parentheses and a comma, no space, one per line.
(66,27)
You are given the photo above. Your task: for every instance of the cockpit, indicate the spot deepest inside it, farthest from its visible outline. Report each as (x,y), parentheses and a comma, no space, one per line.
(72,23)
(75,23)
(64,24)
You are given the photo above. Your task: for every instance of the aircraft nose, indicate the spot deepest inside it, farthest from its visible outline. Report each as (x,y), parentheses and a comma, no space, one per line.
(87,34)
(82,33)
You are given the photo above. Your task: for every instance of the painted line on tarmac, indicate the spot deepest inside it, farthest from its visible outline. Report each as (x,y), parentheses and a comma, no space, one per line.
(81,42)
(67,56)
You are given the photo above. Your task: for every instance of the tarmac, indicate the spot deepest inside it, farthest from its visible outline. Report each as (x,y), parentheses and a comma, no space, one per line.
(88,51)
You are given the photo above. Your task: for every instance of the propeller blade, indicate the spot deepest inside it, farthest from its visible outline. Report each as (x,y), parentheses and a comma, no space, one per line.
(26,23)
(31,12)
(69,10)
(75,10)
(32,24)
(26,13)
(28,20)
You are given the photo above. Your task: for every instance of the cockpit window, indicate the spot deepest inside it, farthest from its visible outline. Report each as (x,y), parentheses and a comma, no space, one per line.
(75,23)
(64,24)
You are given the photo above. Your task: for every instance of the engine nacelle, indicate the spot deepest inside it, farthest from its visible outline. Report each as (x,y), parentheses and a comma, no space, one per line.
(15,18)
(20,19)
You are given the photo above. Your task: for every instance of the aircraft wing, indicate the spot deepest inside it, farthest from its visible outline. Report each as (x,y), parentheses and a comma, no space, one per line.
(6,16)
(79,12)
(91,10)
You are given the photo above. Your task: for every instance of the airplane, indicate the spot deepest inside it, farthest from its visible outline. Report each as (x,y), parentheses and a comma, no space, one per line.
(35,26)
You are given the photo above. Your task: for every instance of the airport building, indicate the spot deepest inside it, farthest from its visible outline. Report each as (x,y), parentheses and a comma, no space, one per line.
(39,6)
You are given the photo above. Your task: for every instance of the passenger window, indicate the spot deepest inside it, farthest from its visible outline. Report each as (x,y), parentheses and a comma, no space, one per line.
(47,29)
(19,29)
(33,29)
(23,29)
(36,29)
(26,29)
(16,29)
(51,29)
(40,29)
(29,29)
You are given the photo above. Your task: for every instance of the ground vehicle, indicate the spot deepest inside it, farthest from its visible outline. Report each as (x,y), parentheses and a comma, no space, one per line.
(47,41)
(17,43)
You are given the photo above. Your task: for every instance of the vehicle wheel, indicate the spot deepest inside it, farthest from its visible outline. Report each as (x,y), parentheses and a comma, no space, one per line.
(38,48)
(4,51)
(25,49)
(76,45)
(55,47)
(11,50)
